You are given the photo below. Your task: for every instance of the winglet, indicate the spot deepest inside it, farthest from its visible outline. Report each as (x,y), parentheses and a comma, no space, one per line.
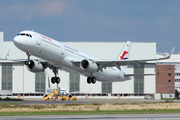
(168,55)
(7,55)
(172,51)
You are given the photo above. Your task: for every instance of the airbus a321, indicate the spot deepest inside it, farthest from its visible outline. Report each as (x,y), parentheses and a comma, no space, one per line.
(56,55)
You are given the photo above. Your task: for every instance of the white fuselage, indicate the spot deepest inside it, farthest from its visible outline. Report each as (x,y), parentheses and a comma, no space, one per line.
(61,56)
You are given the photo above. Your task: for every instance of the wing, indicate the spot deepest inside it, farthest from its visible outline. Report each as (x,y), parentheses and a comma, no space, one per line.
(24,60)
(117,63)
(43,62)
(21,60)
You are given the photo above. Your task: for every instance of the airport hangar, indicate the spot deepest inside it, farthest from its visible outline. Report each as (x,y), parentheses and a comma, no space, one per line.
(16,77)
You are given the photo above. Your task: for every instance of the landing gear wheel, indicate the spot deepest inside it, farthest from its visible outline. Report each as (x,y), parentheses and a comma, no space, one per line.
(53,80)
(89,80)
(93,80)
(57,80)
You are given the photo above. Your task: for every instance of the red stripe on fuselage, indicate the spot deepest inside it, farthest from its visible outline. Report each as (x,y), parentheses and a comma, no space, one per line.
(46,38)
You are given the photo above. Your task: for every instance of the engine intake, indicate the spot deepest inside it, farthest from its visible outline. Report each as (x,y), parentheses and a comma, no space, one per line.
(34,66)
(89,66)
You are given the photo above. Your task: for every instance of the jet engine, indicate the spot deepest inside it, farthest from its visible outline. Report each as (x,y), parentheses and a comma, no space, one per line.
(89,66)
(34,66)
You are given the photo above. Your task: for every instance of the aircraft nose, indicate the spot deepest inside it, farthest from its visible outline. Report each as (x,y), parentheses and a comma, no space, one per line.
(17,41)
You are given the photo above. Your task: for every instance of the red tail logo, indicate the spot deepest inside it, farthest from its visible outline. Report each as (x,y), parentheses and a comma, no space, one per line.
(124,53)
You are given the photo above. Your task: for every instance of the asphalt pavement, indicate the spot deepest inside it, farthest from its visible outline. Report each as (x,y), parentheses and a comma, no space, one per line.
(173,116)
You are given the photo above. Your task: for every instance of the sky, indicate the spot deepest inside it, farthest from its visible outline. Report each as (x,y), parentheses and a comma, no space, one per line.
(95,20)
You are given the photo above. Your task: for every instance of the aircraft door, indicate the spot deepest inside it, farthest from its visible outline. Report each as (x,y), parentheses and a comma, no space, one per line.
(62,50)
(38,39)
(118,75)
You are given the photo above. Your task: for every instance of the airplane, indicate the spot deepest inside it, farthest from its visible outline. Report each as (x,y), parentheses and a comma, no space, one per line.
(58,56)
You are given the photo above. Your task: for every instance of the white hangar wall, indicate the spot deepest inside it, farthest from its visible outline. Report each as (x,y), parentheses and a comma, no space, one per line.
(150,81)
(24,80)
(111,50)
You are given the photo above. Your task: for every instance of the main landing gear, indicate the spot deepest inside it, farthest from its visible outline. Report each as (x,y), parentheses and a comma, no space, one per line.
(55,79)
(91,80)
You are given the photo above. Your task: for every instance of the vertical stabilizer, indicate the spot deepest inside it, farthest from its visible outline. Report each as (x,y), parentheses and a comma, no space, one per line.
(125,55)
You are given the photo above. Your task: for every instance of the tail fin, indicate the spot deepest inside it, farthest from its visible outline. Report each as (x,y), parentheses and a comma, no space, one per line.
(125,55)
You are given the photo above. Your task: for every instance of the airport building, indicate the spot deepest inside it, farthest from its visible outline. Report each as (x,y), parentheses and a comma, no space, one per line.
(14,76)
(171,78)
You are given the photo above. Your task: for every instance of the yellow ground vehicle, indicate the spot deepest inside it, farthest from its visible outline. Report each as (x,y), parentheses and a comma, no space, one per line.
(56,94)
(74,98)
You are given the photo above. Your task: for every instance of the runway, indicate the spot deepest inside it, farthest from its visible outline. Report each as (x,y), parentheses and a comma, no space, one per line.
(83,101)
(166,116)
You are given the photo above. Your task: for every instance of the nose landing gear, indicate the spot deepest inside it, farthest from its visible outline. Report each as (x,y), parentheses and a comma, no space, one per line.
(28,58)
(55,70)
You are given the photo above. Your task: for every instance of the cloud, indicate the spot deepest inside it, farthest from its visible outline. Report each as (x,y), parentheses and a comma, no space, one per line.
(51,8)
(28,10)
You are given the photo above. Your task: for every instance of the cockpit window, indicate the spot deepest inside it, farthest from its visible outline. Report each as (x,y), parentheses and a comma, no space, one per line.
(25,34)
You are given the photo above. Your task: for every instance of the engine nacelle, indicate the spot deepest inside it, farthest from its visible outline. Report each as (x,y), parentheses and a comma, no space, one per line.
(34,66)
(89,66)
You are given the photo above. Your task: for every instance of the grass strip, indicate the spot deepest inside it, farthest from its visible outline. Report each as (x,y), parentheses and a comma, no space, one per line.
(88,112)
(1,104)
